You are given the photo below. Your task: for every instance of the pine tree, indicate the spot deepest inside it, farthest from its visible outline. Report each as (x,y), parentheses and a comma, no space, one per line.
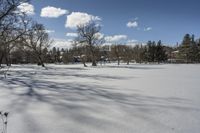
(160,54)
(185,47)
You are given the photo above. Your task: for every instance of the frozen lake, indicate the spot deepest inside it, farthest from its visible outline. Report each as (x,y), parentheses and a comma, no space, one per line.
(107,99)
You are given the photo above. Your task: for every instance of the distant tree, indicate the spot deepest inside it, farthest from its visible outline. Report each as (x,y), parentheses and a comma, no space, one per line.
(67,56)
(160,54)
(185,48)
(198,54)
(151,51)
(189,49)
(155,52)
(105,53)
(194,51)
(58,52)
(81,51)
(138,53)
(117,52)
(46,55)
(127,53)
(54,54)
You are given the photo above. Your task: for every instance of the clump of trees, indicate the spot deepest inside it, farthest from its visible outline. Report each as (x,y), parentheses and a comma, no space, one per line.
(20,36)
(12,27)
(155,52)
(152,52)
(189,50)
(36,40)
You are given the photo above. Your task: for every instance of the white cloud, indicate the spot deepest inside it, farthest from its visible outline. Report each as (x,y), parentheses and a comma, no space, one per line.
(115,38)
(133,42)
(132,24)
(148,29)
(79,18)
(49,31)
(26,8)
(53,12)
(71,34)
(62,43)
(99,35)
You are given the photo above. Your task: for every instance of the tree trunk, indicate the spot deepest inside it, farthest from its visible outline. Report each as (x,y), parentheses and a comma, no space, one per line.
(128,62)
(41,61)
(93,60)
(93,54)
(84,64)
(7,59)
(118,61)
(1,59)
(94,63)
(83,61)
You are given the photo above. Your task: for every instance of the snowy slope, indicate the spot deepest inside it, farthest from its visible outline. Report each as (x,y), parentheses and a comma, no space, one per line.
(106,99)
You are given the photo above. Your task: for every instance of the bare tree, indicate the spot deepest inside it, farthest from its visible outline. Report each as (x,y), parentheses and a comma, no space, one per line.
(12,26)
(37,40)
(127,53)
(8,8)
(10,36)
(89,35)
(117,52)
(140,53)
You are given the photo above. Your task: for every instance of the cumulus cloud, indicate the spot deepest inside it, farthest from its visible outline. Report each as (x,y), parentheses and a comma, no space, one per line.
(53,12)
(115,38)
(79,18)
(99,35)
(49,31)
(26,8)
(62,43)
(148,29)
(71,34)
(132,24)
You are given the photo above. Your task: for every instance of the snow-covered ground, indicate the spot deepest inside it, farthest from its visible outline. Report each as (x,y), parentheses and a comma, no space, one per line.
(106,99)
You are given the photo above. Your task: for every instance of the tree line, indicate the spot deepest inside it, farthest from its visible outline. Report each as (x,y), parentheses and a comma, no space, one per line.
(152,52)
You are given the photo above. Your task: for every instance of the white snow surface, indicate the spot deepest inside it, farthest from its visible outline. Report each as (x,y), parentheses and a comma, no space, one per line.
(105,99)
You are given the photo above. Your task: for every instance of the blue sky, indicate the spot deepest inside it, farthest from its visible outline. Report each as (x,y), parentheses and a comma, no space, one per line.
(166,20)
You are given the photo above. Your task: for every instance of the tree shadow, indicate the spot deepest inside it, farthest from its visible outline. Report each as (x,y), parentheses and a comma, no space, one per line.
(67,73)
(74,90)
(144,67)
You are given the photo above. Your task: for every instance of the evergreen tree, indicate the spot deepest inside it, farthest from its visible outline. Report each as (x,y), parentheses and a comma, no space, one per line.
(185,47)
(189,49)
(160,53)
(151,51)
